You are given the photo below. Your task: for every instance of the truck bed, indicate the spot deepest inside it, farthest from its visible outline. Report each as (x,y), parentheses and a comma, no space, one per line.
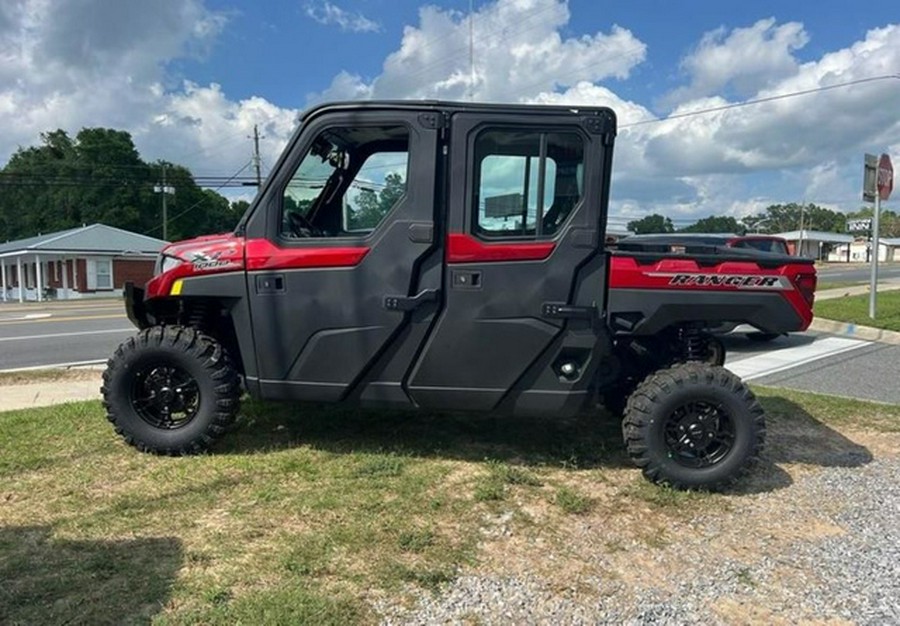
(649,291)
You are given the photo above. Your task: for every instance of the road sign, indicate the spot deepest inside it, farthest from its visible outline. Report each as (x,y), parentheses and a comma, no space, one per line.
(870,174)
(885,181)
(884,184)
(862,225)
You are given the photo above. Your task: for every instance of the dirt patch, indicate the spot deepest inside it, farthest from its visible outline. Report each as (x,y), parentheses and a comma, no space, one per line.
(42,377)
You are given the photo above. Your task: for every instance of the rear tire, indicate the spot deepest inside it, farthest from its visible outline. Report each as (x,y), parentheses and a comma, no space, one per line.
(694,426)
(171,390)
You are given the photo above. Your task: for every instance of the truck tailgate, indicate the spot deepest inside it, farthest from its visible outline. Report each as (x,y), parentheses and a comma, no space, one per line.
(649,291)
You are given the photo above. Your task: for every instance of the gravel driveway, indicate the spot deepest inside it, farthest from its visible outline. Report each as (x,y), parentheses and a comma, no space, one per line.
(814,537)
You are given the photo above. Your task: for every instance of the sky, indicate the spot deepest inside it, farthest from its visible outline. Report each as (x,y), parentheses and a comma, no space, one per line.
(190,78)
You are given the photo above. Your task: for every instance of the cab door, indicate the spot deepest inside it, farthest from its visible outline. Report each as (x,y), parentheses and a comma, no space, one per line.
(337,253)
(524,270)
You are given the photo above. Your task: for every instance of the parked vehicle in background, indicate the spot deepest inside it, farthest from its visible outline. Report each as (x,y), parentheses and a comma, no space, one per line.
(690,243)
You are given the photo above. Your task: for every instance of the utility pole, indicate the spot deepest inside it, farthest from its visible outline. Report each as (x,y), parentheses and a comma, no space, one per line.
(471,50)
(165,190)
(256,160)
(800,238)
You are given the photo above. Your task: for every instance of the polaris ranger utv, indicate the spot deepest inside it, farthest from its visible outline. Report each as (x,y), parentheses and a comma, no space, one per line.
(449,256)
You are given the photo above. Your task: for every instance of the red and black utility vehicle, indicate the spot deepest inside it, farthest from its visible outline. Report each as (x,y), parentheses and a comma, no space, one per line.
(431,255)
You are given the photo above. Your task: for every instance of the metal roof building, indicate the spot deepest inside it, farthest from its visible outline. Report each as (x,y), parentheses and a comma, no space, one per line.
(74,263)
(810,243)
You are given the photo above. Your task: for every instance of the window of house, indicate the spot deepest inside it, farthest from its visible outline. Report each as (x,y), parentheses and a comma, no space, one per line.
(347,183)
(527,183)
(104,274)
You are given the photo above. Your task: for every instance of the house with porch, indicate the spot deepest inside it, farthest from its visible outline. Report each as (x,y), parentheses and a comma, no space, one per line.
(84,262)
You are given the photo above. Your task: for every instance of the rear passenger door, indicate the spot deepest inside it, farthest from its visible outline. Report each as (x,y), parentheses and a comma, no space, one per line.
(523,219)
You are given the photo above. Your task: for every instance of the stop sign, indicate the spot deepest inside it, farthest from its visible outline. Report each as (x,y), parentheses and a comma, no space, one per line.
(885,177)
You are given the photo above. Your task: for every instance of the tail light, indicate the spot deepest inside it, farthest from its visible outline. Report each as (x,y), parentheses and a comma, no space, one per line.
(806,285)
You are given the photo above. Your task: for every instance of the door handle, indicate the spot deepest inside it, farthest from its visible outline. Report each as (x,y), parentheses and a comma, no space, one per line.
(411,303)
(270,284)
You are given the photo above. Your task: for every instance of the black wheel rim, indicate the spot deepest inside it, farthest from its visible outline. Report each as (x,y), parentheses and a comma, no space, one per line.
(165,396)
(699,434)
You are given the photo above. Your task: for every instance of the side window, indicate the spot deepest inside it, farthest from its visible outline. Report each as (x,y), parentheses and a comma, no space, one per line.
(347,183)
(527,183)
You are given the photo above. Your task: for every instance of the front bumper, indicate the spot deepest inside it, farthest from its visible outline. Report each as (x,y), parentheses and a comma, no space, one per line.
(134,306)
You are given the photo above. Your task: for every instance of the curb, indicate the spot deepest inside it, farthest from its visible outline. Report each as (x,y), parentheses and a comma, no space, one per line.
(849,329)
(859,290)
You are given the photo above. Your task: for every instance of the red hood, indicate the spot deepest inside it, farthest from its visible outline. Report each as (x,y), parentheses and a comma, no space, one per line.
(210,254)
(226,244)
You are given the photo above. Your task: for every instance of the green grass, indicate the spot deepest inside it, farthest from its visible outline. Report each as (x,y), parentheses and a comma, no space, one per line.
(299,516)
(573,502)
(305,514)
(839,284)
(832,410)
(855,309)
(663,496)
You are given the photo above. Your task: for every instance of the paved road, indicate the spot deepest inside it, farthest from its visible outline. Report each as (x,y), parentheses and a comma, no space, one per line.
(60,333)
(860,272)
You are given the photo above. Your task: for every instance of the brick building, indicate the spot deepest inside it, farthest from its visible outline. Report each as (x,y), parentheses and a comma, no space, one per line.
(93,260)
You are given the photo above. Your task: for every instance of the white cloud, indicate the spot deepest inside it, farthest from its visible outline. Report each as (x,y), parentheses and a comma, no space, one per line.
(203,123)
(75,63)
(747,59)
(328,13)
(700,164)
(792,132)
(519,52)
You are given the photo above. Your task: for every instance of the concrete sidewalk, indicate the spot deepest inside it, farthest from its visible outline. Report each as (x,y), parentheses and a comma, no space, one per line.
(71,386)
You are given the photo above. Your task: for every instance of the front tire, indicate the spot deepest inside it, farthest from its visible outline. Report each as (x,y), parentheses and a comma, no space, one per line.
(694,426)
(171,390)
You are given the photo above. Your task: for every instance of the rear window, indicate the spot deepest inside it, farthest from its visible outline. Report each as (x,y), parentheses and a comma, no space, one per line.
(774,246)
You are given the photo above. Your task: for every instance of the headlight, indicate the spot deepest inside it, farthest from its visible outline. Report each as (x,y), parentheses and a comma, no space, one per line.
(165,263)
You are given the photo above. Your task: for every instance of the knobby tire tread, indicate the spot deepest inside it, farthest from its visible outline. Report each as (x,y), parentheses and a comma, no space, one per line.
(213,358)
(639,414)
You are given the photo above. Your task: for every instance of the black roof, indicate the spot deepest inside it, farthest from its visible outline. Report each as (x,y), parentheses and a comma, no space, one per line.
(458,107)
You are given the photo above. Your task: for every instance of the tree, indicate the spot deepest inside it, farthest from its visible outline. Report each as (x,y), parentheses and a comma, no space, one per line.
(654,223)
(716,224)
(99,176)
(371,207)
(779,218)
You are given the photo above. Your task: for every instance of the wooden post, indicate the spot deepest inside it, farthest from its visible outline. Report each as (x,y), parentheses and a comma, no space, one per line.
(38,277)
(19,279)
(65,278)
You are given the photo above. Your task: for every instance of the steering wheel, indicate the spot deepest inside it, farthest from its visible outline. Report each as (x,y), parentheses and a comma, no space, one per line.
(302,227)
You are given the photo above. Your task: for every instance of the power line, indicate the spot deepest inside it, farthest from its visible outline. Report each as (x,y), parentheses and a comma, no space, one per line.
(199,202)
(783,96)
